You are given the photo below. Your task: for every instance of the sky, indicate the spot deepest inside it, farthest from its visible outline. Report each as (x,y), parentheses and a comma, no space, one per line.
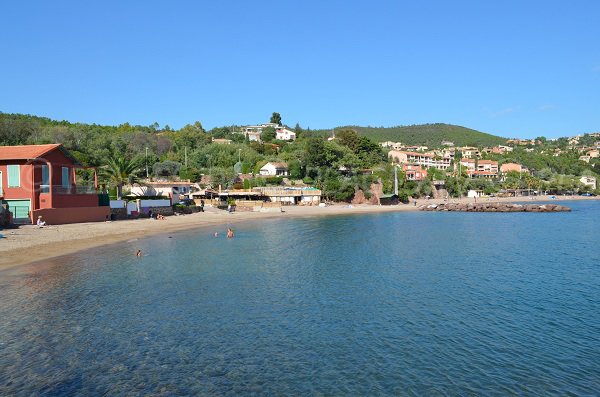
(514,68)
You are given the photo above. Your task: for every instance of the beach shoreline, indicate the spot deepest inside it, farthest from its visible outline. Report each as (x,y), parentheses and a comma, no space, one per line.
(28,244)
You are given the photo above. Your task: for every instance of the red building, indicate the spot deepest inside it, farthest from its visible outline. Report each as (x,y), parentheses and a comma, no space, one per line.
(40,180)
(414,172)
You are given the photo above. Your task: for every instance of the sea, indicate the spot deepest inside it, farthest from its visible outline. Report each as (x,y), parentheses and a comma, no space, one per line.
(392,304)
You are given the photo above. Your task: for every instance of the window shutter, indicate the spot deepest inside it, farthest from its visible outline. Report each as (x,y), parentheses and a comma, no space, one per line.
(14,176)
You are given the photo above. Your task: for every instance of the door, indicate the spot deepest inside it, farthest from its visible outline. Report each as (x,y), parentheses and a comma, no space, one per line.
(20,210)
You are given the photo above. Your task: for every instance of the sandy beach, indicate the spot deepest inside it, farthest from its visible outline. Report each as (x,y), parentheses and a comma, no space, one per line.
(29,243)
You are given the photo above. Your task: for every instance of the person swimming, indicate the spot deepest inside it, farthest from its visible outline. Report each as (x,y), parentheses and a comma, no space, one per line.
(138,253)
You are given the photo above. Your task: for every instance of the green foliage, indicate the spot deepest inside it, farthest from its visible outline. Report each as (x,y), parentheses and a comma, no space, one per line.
(190,173)
(430,135)
(166,169)
(119,171)
(274,180)
(295,169)
(268,134)
(276,118)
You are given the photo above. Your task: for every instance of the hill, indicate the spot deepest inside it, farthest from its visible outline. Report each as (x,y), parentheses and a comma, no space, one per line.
(430,135)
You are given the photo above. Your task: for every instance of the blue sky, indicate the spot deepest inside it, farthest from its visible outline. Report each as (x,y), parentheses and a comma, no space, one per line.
(512,68)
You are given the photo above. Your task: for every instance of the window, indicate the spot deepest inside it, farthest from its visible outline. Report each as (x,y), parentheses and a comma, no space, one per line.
(45,187)
(65,177)
(14,175)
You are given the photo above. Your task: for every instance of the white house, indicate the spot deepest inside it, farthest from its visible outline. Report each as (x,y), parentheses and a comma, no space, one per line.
(253,132)
(588,181)
(165,189)
(274,169)
(283,134)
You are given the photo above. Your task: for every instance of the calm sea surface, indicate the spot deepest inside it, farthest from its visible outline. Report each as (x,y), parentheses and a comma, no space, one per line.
(391,304)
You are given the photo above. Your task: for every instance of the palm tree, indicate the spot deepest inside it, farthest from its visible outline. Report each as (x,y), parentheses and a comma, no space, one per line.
(119,171)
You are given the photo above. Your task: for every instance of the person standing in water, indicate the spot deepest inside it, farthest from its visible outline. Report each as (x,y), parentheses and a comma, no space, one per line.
(138,253)
(230,233)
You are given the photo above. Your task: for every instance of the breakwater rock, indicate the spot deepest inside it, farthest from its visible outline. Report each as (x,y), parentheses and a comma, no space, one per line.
(494,207)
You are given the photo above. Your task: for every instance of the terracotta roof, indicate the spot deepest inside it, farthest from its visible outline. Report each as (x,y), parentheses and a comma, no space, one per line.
(25,152)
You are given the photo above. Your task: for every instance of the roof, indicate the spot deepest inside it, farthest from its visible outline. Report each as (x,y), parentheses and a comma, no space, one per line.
(30,152)
(276,165)
(26,152)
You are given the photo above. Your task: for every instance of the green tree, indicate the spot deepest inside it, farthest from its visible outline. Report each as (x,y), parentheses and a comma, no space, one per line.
(268,134)
(276,118)
(315,153)
(119,171)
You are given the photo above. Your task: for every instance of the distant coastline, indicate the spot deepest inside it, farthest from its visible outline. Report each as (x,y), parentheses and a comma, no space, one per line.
(22,246)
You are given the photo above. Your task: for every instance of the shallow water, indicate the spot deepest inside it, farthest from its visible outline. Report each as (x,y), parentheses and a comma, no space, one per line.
(386,304)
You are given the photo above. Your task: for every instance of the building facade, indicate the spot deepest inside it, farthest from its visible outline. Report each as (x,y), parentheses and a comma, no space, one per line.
(40,180)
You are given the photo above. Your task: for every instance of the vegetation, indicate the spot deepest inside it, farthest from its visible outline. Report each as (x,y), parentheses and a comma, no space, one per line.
(430,135)
(340,167)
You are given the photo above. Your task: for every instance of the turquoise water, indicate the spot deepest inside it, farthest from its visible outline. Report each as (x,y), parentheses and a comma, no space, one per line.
(389,304)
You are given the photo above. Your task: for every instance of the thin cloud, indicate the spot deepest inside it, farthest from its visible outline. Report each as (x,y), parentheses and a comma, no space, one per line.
(546,108)
(503,112)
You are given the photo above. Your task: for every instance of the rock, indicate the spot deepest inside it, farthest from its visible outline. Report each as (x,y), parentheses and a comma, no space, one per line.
(494,207)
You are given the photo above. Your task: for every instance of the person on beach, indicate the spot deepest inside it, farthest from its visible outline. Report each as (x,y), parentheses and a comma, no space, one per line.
(161,217)
(40,222)
(201,205)
(230,233)
(138,253)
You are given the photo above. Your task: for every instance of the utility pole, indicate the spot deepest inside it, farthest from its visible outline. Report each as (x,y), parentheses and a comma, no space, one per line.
(146,162)
(185,155)
(395,180)
(239,155)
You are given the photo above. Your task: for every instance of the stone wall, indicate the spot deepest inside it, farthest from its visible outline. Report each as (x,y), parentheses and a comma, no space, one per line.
(118,213)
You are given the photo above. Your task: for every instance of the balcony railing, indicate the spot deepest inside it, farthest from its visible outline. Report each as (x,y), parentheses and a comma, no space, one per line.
(59,189)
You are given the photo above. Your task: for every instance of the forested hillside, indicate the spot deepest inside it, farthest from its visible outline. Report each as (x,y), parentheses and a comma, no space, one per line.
(430,135)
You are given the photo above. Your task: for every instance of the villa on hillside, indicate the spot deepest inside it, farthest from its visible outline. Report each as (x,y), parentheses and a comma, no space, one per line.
(468,164)
(392,145)
(588,181)
(470,152)
(40,180)
(511,167)
(414,172)
(479,169)
(274,169)
(424,159)
(253,132)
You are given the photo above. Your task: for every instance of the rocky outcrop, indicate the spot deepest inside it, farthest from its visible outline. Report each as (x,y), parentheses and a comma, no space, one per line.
(359,197)
(494,207)
(376,193)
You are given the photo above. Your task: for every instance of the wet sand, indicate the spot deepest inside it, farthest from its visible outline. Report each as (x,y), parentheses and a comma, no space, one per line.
(29,243)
